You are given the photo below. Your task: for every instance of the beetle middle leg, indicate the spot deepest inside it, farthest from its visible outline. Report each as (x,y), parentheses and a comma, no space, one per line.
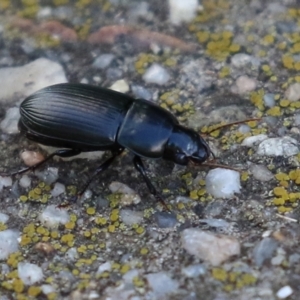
(100,169)
(141,168)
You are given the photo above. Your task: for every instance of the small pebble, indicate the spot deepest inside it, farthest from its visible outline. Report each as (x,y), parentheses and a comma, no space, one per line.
(209,247)
(264,250)
(31,158)
(44,248)
(269,100)
(5,181)
(156,74)
(165,219)
(48,175)
(128,197)
(47,289)
(29,273)
(103,61)
(182,11)
(9,124)
(58,189)
(297,119)
(72,254)
(161,284)
(244,128)
(52,216)
(244,84)
(252,140)
(280,146)
(222,183)
(293,92)
(261,172)
(120,86)
(130,217)
(3,218)
(140,92)
(240,60)
(277,260)
(215,222)
(194,270)
(284,292)
(104,267)
(25,181)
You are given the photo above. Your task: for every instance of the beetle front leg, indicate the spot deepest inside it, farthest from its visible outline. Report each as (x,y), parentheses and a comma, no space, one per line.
(60,153)
(141,168)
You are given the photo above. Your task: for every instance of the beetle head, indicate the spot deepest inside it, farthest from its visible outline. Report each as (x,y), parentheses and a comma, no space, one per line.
(186,145)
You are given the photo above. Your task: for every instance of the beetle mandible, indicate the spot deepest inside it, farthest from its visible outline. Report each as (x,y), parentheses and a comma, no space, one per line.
(80,118)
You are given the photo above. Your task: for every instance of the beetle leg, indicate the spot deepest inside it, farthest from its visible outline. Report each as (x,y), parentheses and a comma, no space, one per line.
(60,153)
(100,169)
(141,168)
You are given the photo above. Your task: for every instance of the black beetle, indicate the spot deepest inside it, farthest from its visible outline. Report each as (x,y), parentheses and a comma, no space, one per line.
(82,117)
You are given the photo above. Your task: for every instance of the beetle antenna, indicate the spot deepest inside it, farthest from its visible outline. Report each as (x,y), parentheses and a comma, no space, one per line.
(214,165)
(232,123)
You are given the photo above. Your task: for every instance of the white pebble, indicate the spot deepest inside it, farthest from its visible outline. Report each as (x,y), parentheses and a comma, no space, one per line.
(245,84)
(29,78)
(156,74)
(47,289)
(161,285)
(103,61)
(29,273)
(52,216)
(8,242)
(269,100)
(252,140)
(3,218)
(72,254)
(128,197)
(5,181)
(194,270)
(223,183)
(9,124)
(48,175)
(130,217)
(244,128)
(240,60)
(58,189)
(293,92)
(261,172)
(280,146)
(182,11)
(104,267)
(215,222)
(209,247)
(284,292)
(25,181)
(120,86)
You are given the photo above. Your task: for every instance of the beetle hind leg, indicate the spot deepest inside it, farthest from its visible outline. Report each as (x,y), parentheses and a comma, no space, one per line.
(141,168)
(60,153)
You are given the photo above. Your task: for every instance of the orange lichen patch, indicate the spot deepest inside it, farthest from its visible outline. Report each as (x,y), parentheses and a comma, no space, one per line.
(52,28)
(55,28)
(140,37)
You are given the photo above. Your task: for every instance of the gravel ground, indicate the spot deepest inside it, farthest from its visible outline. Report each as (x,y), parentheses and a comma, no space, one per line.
(216,63)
